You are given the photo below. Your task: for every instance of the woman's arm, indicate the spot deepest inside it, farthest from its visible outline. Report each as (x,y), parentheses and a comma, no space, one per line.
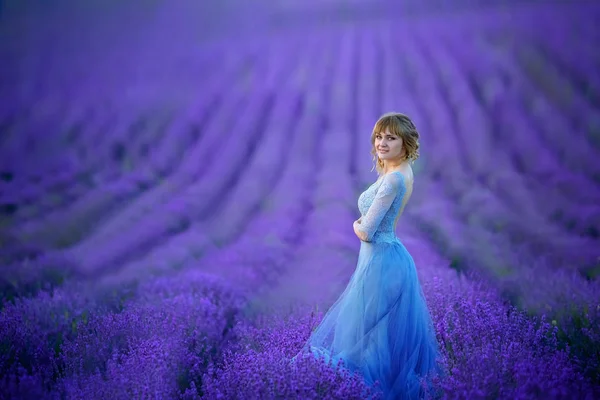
(366,226)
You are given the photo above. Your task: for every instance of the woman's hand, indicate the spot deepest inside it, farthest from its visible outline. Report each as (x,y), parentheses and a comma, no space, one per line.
(356,225)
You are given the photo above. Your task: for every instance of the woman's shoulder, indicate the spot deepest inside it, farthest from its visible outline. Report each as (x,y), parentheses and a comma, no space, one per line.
(399,179)
(399,176)
(392,182)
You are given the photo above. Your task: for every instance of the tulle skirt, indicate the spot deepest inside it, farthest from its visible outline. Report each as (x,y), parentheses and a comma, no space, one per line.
(380,325)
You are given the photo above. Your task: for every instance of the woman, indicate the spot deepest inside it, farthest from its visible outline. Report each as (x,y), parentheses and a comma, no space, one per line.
(380,325)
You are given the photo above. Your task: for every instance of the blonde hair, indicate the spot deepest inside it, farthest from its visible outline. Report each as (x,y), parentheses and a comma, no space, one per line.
(401,126)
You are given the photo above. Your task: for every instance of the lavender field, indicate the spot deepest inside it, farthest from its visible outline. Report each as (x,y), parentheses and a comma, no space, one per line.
(178,182)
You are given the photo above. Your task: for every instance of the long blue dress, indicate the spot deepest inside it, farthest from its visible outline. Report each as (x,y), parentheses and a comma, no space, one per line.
(380,325)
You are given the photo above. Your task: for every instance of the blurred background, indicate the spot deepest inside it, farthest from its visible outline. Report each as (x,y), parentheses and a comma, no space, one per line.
(104,102)
(142,138)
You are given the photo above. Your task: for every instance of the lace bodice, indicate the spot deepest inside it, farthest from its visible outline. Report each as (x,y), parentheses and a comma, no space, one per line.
(381,205)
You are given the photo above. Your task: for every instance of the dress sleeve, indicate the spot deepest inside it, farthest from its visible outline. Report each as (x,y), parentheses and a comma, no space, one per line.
(391,186)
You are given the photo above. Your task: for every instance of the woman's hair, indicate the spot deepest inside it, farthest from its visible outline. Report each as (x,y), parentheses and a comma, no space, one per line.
(400,125)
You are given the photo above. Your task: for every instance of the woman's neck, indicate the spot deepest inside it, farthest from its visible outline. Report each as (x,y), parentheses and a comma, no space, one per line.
(392,165)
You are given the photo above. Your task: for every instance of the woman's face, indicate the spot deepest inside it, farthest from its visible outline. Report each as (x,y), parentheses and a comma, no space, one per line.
(388,146)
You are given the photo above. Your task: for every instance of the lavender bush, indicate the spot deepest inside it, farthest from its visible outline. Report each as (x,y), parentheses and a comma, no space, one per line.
(260,366)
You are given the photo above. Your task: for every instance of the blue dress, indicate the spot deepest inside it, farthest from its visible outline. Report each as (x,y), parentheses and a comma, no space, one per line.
(380,325)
